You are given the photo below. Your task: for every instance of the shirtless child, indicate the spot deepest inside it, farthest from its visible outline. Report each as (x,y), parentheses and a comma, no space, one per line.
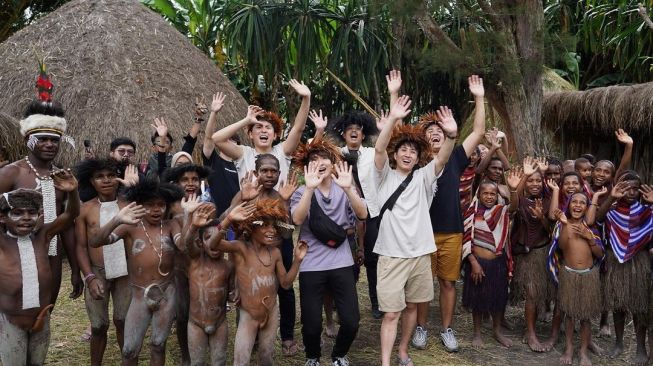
(105,269)
(150,246)
(25,271)
(211,280)
(259,272)
(573,262)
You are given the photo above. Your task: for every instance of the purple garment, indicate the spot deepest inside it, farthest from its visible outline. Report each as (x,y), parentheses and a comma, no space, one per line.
(319,256)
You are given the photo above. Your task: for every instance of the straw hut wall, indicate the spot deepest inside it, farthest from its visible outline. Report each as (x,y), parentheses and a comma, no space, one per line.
(9,134)
(585,121)
(116,65)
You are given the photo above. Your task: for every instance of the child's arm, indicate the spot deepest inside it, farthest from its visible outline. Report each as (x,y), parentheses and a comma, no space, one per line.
(239,213)
(514,180)
(64,181)
(555,198)
(114,230)
(222,137)
(294,136)
(495,144)
(627,157)
(584,232)
(201,217)
(590,216)
(618,191)
(286,278)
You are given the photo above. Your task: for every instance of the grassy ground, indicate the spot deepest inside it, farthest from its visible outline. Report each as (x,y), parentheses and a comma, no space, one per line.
(69,321)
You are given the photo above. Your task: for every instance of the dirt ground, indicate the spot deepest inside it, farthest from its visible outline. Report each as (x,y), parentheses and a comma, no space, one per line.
(69,321)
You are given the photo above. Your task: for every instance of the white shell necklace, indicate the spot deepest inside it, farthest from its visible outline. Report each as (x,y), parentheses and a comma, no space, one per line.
(49,202)
(159,252)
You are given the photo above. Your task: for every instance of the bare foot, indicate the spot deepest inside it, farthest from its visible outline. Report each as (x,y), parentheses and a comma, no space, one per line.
(548,345)
(505,341)
(616,351)
(596,349)
(534,343)
(640,359)
(566,358)
(331,330)
(585,359)
(477,341)
(506,324)
(605,332)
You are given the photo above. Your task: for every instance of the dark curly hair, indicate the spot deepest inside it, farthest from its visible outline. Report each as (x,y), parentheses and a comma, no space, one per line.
(150,189)
(20,198)
(173,175)
(85,169)
(365,120)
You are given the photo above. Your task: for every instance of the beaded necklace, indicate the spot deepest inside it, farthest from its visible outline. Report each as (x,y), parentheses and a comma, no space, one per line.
(46,184)
(159,252)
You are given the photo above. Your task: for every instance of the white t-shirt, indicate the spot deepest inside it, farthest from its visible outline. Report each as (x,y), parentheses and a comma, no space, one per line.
(366,177)
(405,231)
(247,162)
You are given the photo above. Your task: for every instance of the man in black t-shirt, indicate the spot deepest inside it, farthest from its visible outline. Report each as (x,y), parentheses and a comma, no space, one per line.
(447,220)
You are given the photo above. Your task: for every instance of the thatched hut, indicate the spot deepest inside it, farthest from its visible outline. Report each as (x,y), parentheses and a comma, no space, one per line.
(585,121)
(116,65)
(9,134)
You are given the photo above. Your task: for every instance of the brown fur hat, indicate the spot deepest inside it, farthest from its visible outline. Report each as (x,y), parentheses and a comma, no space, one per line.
(322,146)
(412,134)
(266,209)
(273,119)
(21,198)
(426,120)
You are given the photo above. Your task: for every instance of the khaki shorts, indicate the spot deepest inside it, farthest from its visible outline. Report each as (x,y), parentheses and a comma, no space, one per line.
(446,262)
(402,280)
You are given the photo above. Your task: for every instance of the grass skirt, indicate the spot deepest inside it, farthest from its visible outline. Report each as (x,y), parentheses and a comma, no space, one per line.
(491,295)
(531,278)
(627,284)
(579,294)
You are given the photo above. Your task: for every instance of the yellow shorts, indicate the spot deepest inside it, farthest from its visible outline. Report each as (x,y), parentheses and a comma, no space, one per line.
(402,280)
(446,262)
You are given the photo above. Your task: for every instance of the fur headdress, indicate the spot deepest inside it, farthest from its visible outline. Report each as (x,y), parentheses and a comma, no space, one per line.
(266,209)
(426,120)
(20,198)
(411,134)
(322,146)
(173,175)
(273,119)
(365,120)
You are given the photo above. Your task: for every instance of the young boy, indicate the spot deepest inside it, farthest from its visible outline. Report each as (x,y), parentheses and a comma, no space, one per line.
(259,272)
(489,261)
(573,265)
(104,270)
(211,281)
(25,271)
(150,242)
(630,228)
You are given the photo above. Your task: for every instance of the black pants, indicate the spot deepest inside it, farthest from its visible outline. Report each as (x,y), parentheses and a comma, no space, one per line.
(371,258)
(312,285)
(287,297)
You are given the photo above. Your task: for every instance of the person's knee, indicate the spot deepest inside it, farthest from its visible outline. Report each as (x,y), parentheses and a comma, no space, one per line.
(410,307)
(158,345)
(446,285)
(99,330)
(119,323)
(391,317)
(130,351)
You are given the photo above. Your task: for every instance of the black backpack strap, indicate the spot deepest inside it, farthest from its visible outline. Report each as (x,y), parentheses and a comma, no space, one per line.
(390,203)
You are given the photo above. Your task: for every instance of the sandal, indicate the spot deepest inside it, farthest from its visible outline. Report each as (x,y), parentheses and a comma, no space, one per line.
(289,348)
(405,362)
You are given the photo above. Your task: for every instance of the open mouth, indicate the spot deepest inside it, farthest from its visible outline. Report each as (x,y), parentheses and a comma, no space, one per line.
(191,190)
(353,136)
(264,138)
(322,170)
(435,139)
(570,191)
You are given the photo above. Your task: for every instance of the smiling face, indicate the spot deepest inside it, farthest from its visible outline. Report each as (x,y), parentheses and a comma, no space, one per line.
(324,164)
(262,134)
(406,157)
(20,221)
(495,171)
(268,173)
(534,184)
(602,174)
(189,183)
(435,137)
(155,210)
(264,232)
(46,147)
(570,185)
(105,182)
(474,158)
(577,206)
(584,169)
(353,136)
(488,194)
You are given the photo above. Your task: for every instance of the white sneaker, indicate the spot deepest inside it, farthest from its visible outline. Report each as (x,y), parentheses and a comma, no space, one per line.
(419,338)
(448,338)
(312,362)
(341,361)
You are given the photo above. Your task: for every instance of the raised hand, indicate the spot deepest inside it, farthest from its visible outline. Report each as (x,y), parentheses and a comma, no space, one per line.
(476,86)
(552,184)
(131,214)
(249,187)
(394,81)
(344,176)
(319,121)
(530,165)
(64,180)
(131,176)
(514,177)
(203,215)
(289,187)
(191,203)
(537,211)
(623,137)
(446,121)
(619,190)
(218,102)
(242,212)
(380,122)
(582,231)
(200,108)
(492,136)
(312,177)
(647,193)
(300,250)
(599,193)
(160,126)
(560,216)
(542,164)
(253,112)
(300,88)
(401,108)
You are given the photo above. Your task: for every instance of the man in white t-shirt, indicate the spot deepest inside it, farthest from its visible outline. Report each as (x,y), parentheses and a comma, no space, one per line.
(405,238)
(263,128)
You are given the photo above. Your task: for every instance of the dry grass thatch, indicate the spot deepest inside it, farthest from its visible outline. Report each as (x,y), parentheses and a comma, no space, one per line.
(10,137)
(116,65)
(601,109)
